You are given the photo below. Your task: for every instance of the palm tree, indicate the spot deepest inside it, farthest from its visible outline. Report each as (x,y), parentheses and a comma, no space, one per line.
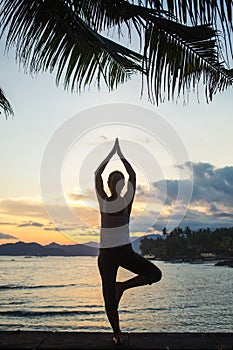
(5,105)
(172,44)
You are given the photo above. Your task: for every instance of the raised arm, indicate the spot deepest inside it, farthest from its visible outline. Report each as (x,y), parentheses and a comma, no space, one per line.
(98,173)
(132,175)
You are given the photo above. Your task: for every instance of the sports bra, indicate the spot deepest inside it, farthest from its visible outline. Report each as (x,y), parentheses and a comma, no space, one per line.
(114,223)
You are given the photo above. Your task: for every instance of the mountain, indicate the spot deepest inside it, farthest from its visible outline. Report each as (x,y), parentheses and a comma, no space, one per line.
(53,249)
(75,249)
(92,244)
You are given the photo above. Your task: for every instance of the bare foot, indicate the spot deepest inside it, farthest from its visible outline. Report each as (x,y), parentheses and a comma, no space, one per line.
(119,291)
(117,339)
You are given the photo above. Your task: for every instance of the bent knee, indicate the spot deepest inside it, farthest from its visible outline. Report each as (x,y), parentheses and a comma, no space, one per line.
(155,276)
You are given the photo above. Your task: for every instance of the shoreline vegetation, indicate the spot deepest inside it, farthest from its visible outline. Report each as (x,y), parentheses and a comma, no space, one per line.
(185,245)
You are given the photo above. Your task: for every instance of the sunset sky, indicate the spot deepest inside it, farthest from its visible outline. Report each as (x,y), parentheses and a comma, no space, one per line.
(61,138)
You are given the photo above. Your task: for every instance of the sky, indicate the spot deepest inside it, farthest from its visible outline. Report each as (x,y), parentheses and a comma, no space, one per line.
(182,155)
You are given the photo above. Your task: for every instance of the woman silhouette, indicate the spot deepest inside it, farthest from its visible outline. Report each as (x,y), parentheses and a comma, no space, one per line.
(115,246)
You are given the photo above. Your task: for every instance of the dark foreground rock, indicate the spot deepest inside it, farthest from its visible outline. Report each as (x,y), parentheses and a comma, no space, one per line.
(228,263)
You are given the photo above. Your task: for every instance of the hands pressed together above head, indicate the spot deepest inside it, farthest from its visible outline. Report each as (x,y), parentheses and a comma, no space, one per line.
(117,148)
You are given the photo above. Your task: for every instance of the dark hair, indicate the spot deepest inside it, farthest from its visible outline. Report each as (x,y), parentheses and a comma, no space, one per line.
(114,178)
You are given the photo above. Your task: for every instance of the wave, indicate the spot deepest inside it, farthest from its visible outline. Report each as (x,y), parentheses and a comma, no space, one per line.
(15,303)
(27,313)
(81,306)
(50,313)
(170,308)
(12,286)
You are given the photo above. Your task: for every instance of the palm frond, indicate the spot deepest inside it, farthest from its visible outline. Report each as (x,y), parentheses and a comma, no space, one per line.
(177,56)
(219,13)
(104,14)
(198,11)
(5,105)
(64,36)
(49,35)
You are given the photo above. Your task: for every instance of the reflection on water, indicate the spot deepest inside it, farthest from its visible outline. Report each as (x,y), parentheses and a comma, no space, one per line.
(64,293)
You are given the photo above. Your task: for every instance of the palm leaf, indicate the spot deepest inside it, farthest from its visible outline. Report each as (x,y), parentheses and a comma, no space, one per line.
(217,12)
(178,56)
(49,35)
(5,105)
(64,36)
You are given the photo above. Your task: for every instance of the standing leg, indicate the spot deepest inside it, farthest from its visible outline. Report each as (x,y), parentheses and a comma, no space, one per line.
(108,271)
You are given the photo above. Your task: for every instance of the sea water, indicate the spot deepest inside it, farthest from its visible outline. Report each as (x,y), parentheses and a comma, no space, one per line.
(64,294)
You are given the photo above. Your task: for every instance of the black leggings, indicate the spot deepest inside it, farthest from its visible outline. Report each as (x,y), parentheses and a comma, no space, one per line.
(110,259)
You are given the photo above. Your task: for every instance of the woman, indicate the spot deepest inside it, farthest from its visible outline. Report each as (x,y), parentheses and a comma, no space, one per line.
(115,246)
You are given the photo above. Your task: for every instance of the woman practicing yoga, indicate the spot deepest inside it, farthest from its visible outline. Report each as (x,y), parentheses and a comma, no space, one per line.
(115,245)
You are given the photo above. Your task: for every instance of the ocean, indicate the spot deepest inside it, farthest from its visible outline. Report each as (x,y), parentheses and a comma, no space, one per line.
(64,294)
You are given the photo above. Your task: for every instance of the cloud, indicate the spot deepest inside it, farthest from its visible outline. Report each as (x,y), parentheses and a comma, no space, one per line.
(212,197)
(31,223)
(225,215)
(141,193)
(23,207)
(93,234)
(58,228)
(87,194)
(213,184)
(103,137)
(35,211)
(210,185)
(167,188)
(143,222)
(211,204)
(74,196)
(7,223)
(196,220)
(7,236)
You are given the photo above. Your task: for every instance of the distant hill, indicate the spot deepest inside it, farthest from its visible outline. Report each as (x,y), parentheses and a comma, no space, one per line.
(55,249)
(75,249)
(92,244)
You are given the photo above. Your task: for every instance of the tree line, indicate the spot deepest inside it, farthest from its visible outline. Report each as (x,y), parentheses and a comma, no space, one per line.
(189,244)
